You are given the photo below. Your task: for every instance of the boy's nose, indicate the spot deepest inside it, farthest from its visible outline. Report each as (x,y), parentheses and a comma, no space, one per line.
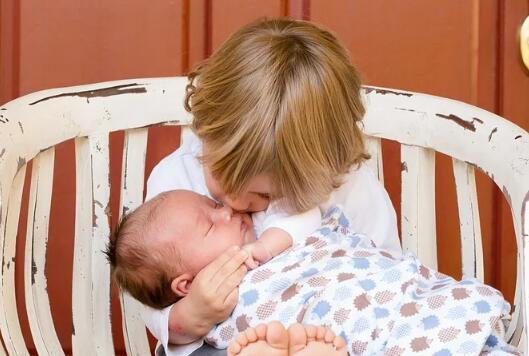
(237,204)
(223,214)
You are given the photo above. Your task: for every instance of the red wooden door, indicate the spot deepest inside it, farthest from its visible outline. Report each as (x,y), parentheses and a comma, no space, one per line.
(460,49)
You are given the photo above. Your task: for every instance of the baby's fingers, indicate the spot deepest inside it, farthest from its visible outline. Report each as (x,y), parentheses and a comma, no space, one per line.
(251,263)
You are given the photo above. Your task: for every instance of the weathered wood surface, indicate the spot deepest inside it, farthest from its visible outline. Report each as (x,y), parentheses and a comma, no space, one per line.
(133,167)
(100,233)
(82,333)
(35,282)
(418,203)
(9,322)
(482,139)
(469,226)
(374,147)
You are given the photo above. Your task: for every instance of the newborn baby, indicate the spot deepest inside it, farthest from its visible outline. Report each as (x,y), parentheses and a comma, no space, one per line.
(160,247)
(163,244)
(332,277)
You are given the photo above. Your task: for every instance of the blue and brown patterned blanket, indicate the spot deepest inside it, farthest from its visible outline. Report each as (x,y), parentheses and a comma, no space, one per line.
(378,303)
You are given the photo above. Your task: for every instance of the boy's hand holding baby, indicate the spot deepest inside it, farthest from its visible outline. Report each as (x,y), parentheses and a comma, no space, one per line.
(212,295)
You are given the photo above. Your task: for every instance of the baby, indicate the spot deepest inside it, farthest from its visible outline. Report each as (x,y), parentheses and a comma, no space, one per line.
(161,246)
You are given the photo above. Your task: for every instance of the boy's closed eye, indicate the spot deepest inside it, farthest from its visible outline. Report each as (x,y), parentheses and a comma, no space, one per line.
(263,195)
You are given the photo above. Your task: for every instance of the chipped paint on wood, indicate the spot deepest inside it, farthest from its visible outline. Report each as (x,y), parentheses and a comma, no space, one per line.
(492,133)
(35,282)
(100,93)
(33,271)
(469,222)
(20,163)
(525,206)
(132,182)
(418,203)
(100,232)
(82,302)
(385,91)
(9,320)
(374,148)
(465,124)
(507,195)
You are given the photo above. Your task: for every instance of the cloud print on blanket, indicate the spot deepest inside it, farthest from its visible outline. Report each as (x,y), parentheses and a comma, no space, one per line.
(379,304)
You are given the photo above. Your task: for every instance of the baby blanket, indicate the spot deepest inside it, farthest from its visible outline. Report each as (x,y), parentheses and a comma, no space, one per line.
(379,304)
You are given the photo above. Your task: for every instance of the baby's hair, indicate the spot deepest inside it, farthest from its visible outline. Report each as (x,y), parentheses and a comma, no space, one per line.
(137,266)
(279,97)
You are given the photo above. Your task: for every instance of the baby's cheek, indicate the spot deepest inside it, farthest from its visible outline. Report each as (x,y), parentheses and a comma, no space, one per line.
(207,254)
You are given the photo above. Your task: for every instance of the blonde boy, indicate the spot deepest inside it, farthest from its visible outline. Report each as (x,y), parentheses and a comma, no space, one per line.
(276,112)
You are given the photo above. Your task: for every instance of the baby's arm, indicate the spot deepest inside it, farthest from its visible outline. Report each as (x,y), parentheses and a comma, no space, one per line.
(280,230)
(271,243)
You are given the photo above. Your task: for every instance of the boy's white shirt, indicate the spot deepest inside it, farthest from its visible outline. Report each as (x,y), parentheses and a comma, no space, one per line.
(363,198)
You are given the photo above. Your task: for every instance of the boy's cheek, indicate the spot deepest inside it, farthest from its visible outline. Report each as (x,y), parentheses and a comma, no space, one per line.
(247,219)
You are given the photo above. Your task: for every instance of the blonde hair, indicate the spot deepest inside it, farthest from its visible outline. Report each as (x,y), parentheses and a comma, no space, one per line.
(279,97)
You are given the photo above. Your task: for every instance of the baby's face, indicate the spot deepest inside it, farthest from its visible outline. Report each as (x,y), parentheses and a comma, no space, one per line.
(201,230)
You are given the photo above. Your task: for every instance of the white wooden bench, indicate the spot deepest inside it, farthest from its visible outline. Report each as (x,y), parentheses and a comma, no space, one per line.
(32,125)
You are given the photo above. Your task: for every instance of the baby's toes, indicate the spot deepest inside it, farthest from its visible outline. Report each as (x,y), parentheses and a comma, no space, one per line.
(329,336)
(320,333)
(251,335)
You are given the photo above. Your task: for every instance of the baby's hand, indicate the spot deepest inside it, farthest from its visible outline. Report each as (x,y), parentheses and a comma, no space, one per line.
(257,254)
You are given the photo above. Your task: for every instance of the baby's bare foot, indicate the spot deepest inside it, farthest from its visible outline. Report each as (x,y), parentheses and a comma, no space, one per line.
(309,340)
(269,340)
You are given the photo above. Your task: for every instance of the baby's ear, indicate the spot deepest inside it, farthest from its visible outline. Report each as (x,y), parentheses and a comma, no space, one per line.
(181,284)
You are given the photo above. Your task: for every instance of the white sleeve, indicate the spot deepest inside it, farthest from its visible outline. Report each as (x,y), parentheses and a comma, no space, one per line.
(366,203)
(157,321)
(179,170)
(162,178)
(298,226)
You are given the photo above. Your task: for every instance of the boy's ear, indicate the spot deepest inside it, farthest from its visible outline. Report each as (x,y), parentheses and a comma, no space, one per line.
(181,284)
